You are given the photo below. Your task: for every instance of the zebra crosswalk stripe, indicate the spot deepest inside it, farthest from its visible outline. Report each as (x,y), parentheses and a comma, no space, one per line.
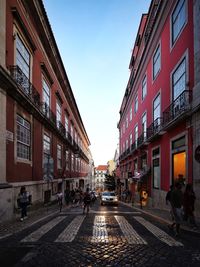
(71,230)
(36,235)
(164,237)
(100,233)
(130,234)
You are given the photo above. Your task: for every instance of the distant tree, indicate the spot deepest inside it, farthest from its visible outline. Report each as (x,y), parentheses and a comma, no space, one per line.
(109,183)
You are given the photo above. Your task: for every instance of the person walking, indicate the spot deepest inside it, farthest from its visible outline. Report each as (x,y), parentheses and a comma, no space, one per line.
(188,205)
(177,206)
(168,202)
(60,199)
(86,201)
(23,200)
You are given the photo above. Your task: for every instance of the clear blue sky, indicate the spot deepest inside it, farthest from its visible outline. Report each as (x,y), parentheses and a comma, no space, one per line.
(95,39)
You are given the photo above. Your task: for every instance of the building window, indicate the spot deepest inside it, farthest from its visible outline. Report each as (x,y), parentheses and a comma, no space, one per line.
(136,104)
(131,139)
(23,138)
(58,113)
(178,19)
(46,147)
(67,159)
(144,125)
(156,108)
(179,79)
(22,57)
(127,121)
(46,98)
(126,144)
(131,114)
(72,131)
(72,162)
(156,168)
(144,87)
(136,135)
(59,157)
(66,124)
(156,62)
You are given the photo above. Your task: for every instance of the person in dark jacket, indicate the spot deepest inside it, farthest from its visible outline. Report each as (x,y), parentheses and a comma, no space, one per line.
(168,202)
(188,205)
(177,206)
(23,199)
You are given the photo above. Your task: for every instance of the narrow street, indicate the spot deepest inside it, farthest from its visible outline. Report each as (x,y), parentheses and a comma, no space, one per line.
(107,236)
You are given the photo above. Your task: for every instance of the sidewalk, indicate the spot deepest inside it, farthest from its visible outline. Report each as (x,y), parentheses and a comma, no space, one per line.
(36,215)
(163,216)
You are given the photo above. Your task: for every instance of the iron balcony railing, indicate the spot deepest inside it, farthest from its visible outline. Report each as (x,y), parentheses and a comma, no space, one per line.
(178,107)
(47,112)
(154,128)
(25,85)
(141,139)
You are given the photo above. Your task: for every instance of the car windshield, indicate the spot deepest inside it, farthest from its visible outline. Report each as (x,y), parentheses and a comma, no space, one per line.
(106,194)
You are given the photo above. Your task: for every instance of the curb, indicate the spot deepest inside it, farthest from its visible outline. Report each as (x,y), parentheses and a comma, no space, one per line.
(149,213)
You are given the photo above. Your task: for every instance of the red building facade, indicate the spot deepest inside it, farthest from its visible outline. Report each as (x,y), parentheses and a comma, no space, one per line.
(156,117)
(44,144)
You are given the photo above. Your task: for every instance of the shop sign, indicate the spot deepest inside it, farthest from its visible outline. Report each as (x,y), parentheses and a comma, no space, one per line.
(197,154)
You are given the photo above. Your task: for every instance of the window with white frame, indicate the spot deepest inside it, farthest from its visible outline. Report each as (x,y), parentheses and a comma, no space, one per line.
(66,124)
(136,134)
(126,144)
(144,124)
(59,156)
(178,19)
(179,79)
(72,162)
(136,104)
(130,139)
(22,57)
(156,108)
(46,147)
(156,167)
(58,113)
(127,121)
(123,147)
(23,138)
(67,160)
(72,131)
(131,114)
(156,62)
(144,87)
(46,97)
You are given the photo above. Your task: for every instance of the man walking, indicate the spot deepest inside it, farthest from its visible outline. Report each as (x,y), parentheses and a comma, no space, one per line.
(177,206)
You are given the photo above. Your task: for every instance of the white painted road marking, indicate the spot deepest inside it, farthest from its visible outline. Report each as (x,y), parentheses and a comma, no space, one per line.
(130,234)
(36,235)
(164,237)
(100,233)
(71,231)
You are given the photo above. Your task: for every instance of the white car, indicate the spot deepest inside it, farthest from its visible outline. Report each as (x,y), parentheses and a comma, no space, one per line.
(109,198)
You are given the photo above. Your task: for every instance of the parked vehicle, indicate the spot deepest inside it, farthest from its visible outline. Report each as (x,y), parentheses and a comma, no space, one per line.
(109,198)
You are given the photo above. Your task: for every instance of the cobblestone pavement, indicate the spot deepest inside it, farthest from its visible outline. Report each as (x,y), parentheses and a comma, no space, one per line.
(107,236)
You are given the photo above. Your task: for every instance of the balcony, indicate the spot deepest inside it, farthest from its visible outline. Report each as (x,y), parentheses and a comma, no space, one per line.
(24,85)
(48,113)
(154,128)
(142,139)
(178,109)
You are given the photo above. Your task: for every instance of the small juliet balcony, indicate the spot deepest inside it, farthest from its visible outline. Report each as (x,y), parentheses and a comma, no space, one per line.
(24,85)
(178,109)
(154,128)
(141,141)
